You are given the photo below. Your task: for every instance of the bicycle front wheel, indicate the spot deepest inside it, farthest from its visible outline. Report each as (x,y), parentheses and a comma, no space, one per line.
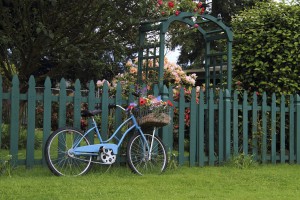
(58,157)
(141,160)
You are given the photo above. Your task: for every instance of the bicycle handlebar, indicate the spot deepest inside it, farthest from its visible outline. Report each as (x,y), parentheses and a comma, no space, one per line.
(89,113)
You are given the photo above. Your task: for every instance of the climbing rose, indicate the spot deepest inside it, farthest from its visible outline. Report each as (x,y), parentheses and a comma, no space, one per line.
(160,2)
(199,5)
(171,4)
(169,103)
(177,12)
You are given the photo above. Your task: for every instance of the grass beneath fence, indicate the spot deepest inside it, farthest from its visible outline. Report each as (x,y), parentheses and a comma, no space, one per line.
(261,182)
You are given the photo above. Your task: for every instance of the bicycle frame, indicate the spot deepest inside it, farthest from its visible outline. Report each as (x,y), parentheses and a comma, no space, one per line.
(95,148)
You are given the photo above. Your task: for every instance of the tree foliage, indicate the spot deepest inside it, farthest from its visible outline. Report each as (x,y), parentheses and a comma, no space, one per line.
(71,39)
(192,47)
(266,48)
(228,8)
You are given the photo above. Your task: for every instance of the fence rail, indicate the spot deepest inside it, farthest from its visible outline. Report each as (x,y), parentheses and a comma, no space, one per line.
(203,131)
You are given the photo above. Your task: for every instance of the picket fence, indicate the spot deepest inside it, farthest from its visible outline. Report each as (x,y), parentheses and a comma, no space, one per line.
(221,125)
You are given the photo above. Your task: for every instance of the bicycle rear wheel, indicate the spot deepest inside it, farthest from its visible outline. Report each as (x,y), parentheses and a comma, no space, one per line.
(138,155)
(58,158)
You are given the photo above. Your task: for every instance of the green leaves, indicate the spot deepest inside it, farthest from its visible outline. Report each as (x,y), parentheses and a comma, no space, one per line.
(266,48)
(71,39)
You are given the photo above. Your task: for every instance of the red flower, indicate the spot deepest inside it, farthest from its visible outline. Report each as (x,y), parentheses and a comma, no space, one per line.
(202,10)
(160,2)
(177,12)
(142,101)
(238,83)
(171,4)
(199,5)
(169,103)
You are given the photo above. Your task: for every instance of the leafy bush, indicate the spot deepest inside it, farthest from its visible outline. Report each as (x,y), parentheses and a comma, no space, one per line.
(266,53)
(5,138)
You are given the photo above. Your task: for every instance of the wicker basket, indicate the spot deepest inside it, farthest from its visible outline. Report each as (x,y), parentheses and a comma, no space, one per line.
(150,118)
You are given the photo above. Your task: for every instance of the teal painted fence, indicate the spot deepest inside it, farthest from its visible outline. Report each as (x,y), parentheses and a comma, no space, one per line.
(220,126)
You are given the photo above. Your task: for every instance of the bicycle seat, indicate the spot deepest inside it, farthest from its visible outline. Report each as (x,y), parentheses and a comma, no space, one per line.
(90,113)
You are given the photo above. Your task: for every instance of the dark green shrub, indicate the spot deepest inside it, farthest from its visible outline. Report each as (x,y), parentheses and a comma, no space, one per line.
(5,138)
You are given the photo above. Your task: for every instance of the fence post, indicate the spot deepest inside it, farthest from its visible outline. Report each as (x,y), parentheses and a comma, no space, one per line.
(211,129)
(171,125)
(254,127)
(227,123)
(118,111)
(165,130)
(14,119)
(282,129)
(91,106)
(31,123)
(273,129)
(200,130)
(181,108)
(235,123)
(47,114)
(221,126)
(193,120)
(77,105)
(245,123)
(105,111)
(297,129)
(1,100)
(62,104)
(264,129)
(292,130)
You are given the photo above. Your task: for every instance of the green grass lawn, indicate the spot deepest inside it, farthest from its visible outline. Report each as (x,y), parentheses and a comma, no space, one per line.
(260,182)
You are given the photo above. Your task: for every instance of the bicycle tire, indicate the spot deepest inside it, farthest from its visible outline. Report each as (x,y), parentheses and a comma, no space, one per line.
(137,156)
(59,161)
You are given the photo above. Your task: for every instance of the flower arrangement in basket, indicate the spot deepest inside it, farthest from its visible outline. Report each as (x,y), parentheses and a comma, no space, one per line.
(152,111)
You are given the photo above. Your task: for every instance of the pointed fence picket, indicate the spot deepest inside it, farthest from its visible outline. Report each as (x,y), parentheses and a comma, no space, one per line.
(220,126)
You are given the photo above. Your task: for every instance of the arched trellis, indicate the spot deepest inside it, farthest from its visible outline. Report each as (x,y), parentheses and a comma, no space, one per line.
(217,62)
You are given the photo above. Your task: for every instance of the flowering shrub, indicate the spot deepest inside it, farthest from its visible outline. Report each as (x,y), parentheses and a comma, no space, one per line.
(175,7)
(174,77)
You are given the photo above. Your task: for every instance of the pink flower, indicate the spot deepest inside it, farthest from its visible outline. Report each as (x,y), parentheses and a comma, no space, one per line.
(199,5)
(238,83)
(160,2)
(177,12)
(196,25)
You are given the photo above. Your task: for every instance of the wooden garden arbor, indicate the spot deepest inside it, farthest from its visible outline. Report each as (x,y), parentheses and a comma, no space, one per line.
(217,61)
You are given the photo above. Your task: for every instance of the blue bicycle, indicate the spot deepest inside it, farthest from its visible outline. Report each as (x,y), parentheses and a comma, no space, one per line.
(68,151)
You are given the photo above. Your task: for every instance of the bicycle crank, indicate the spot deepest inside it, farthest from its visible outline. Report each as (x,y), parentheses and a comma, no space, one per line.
(107,156)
